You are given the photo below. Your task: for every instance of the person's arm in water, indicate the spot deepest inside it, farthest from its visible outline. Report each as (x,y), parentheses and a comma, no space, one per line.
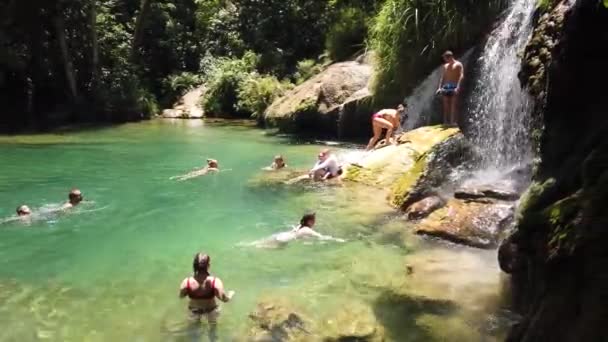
(220,293)
(320,166)
(460,68)
(308,232)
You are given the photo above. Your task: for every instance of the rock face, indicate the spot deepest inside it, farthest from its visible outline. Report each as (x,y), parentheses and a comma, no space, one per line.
(411,169)
(424,208)
(560,278)
(315,105)
(470,223)
(187,107)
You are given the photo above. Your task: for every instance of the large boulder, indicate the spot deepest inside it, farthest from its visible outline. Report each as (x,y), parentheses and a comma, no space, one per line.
(353,322)
(314,106)
(421,161)
(187,107)
(468,222)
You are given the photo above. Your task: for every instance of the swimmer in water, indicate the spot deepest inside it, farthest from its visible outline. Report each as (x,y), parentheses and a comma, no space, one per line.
(278,163)
(327,167)
(74,198)
(303,231)
(212,166)
(203,290)
(23,211)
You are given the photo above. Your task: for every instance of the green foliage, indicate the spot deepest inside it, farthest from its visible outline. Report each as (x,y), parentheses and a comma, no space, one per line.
(223,77)
(408,37)
(257,92)
(181,83)
(306,69)
(347,33)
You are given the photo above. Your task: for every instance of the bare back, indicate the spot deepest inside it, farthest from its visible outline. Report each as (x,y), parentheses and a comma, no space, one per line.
(452,72)
(391,115)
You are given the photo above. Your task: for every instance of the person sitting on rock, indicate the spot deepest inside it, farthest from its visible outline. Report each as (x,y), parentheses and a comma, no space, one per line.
(327,167)
(203,289)
(74,198)
(278,163)
(212,166)
(389,120)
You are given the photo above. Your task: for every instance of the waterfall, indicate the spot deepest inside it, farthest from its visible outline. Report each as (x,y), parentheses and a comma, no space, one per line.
(498,109)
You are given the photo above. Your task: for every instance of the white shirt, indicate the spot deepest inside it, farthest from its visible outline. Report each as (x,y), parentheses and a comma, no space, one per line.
(331,163)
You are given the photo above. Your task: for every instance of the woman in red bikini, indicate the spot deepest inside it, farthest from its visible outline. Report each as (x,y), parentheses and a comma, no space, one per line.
(203,289)
(389,119)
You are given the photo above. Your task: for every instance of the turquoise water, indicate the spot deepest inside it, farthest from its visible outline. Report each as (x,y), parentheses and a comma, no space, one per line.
(110,269)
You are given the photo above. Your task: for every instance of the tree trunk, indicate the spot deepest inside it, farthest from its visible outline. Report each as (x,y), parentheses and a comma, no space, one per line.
(65,55)
(94,47)
(139,27)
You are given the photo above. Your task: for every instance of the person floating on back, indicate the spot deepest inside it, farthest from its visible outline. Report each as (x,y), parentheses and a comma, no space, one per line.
(389,120)
(212,166)
(74,198)
(327,167)
(450,87)
(203,289)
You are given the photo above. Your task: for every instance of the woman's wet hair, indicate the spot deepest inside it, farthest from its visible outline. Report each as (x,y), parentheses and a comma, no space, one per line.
(307,217)
(200,264)
(75,195)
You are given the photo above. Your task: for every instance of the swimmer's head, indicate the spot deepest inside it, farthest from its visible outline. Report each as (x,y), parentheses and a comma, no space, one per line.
(75,196)
(201,263)
(212,163)
(23,210)
(279,161)
(308,220)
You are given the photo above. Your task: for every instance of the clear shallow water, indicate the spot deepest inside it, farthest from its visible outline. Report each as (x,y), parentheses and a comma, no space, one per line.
(110,270)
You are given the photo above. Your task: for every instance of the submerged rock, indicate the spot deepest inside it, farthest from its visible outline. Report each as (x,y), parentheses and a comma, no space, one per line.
(424,208)
(278,321)
(469,223)
(354,322)
(314,106)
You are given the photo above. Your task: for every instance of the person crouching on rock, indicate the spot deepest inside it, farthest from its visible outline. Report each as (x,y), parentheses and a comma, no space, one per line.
(389,120)
(212,166)
(327,167)
(203,289)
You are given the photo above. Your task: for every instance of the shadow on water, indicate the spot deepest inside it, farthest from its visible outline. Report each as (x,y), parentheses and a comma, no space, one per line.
(398,313)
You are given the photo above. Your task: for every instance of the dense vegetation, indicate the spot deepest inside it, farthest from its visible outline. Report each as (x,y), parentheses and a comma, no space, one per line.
(70,61)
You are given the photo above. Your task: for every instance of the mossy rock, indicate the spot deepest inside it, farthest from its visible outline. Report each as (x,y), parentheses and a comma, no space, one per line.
(401,165)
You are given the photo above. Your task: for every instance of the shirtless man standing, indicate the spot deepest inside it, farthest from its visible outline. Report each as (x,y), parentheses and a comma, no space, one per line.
(449,87)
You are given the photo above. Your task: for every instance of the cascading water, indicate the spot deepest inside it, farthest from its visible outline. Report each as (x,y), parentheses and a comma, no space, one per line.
(498,109)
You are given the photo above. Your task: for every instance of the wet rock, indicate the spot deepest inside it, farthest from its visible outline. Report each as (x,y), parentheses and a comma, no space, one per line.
(506,190)
(277,322)
(469,223)
(421,161)
(314,106)
(187,107)
(353,322)
(424,208)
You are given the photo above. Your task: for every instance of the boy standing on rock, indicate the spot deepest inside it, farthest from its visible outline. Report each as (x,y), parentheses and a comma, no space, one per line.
(449,87)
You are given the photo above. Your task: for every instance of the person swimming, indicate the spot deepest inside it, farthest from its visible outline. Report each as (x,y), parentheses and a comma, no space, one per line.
(303,231)
(278,163)
(212,166)
(74,198)
(23,211)
(327,167)
(202,289)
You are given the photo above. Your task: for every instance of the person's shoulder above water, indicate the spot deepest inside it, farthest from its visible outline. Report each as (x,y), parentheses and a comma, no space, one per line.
(74,198)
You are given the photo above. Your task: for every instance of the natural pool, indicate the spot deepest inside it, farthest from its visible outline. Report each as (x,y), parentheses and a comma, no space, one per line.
(110,271)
